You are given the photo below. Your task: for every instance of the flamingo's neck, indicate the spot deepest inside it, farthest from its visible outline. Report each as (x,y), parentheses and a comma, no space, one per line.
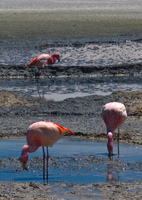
(25,149)
(53,59)
(110,143)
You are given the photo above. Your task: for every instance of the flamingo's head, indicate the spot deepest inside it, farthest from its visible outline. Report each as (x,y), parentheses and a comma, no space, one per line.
(24,157)
(109,144)
(56,56)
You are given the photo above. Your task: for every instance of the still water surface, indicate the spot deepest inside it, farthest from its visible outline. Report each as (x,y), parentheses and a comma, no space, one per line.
(63,87)
(73,161)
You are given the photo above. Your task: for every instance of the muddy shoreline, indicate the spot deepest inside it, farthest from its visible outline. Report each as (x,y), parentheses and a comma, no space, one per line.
(67,71)
(34,190)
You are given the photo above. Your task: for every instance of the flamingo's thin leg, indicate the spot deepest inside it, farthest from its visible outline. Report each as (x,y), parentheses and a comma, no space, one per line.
(118,140)
(47,75)
(47,166)
(43,165)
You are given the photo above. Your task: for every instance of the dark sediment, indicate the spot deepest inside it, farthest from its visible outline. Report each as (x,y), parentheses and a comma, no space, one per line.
(120,70)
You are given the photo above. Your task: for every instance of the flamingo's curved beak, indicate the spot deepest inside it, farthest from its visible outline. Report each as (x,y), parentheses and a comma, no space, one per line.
(59,59)
(24,166)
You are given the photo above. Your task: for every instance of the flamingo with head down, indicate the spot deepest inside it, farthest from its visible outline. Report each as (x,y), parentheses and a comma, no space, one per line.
(42,60)
(44,134)
(114,114)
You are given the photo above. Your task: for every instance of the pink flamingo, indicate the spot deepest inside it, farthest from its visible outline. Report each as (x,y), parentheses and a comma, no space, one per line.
(114,114)
(43,134)
(42,60)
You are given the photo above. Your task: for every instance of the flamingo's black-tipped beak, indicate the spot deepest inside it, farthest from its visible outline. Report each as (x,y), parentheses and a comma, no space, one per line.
(24,166)
(109,154)
(58,59)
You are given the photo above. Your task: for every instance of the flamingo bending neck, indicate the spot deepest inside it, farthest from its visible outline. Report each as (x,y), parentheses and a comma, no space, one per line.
(27,148)
(53,58)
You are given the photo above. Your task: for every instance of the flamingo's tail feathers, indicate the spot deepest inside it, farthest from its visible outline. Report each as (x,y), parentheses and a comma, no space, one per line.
(26,65)
(33,62)
(68,130)
(63,129)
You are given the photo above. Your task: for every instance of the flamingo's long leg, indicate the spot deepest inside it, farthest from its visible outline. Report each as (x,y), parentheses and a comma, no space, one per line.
(47,166)
(118,140)
(47,75)
(43,165)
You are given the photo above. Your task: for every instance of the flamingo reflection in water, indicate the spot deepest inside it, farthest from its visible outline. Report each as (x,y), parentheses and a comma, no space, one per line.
(110,173)
(44,134)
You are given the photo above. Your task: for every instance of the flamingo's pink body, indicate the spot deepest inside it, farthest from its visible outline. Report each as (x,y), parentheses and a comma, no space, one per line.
(43,134)
(114,114)
(44,59)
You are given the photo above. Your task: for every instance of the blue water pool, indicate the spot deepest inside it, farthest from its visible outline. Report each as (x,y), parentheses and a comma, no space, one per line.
(72,161)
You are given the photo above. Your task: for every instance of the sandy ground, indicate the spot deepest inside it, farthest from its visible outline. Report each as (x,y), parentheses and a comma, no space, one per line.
(67,25)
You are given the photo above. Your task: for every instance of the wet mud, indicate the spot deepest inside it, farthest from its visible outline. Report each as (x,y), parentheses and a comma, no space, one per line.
(34,190)
(111,189)
(131,70)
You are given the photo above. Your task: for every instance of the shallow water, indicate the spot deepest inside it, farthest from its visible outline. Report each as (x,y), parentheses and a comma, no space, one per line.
(63,87)
(72,161)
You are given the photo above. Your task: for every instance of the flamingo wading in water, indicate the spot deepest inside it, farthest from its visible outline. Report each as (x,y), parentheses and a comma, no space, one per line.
(44,134)
(114,114)
(42,60)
